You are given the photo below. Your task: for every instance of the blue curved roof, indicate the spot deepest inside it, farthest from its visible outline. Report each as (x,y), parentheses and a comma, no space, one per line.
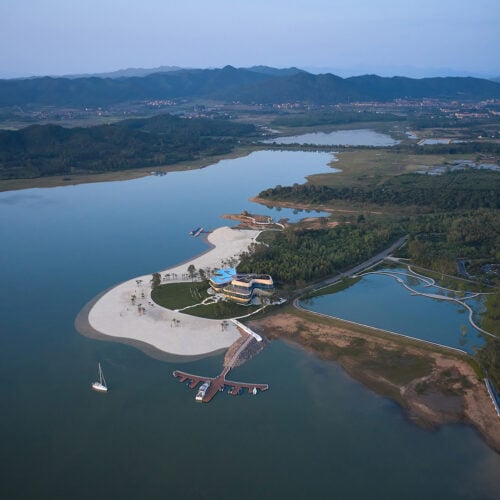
(222,276)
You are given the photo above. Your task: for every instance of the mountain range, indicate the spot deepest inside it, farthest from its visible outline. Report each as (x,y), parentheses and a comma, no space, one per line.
(259,84)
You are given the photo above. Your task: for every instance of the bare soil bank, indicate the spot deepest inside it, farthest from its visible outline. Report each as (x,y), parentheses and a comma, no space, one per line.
(434,386)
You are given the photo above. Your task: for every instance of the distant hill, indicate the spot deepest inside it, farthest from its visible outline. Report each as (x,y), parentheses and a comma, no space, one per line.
(95,91)
(331,89)
(267,70)
(259,84)
(125,73)
(131,72)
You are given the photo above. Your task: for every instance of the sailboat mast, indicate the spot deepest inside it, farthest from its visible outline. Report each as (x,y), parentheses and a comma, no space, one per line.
(101,385)
(101,376)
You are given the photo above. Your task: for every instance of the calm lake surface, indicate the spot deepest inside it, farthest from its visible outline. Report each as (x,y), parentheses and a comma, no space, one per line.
(380,301)
(358,137)
(315,433)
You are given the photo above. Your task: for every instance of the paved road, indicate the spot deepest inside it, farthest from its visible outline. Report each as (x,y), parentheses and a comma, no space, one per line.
(355,270)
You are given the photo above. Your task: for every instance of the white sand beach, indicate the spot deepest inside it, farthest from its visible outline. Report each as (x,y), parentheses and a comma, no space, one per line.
(166,330)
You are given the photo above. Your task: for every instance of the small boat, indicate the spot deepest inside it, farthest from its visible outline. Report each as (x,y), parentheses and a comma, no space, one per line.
(254,392)
(196,232)
(101,385)
(201,393)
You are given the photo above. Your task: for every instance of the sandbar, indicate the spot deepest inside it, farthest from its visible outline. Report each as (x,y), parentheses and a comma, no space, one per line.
(113,315)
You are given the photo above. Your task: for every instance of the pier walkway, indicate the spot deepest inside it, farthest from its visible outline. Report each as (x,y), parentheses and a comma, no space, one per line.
(217,384)
(248,344)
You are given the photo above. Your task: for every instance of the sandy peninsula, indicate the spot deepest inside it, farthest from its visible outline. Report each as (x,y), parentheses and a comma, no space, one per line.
(172,332)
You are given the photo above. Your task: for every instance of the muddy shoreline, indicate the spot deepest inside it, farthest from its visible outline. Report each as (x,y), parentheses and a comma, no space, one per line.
(434,387)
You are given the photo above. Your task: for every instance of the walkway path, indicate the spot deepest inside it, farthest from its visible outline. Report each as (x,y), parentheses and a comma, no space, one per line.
(217,384)
(370,263)
(435,295)
(116,315)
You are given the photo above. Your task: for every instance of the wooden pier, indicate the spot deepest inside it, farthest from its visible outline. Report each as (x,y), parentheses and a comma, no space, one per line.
(249,343)
(217,384)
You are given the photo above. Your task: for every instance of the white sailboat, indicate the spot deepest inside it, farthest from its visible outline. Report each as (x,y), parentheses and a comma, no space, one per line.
(101,385)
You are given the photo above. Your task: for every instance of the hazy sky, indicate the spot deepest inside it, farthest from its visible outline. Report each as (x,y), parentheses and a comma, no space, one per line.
(352,36)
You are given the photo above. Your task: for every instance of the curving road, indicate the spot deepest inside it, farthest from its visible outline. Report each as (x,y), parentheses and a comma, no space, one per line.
(354,270)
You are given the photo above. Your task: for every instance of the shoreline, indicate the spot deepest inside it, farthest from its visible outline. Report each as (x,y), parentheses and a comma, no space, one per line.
(159,332)
(443,388)
(7,185)
(83,327)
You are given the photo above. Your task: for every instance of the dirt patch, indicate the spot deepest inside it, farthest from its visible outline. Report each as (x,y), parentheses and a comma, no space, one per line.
(434,387)
(318,223)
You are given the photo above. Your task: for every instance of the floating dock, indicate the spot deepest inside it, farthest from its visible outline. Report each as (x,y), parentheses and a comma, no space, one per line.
(196,232)
(217,384)
(249,344)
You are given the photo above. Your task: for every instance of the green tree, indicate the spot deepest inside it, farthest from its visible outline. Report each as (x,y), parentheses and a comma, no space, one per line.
(191,271)
(155,280)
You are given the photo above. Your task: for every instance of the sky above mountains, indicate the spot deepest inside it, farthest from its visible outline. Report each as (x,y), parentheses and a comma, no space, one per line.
(348,37)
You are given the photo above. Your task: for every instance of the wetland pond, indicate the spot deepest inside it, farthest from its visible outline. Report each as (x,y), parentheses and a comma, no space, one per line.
(381,301)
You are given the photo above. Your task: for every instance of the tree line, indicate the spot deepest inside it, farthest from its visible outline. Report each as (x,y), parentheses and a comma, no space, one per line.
(297,256)
(44,150)
(467,189)
(435,241)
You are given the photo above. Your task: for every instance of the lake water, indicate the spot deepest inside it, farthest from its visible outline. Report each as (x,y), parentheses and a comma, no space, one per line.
(315,433)
(379,301)
(429,142)
(357,137)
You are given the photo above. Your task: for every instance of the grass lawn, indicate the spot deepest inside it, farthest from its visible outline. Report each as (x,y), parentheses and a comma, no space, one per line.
(179,295)
(221,310)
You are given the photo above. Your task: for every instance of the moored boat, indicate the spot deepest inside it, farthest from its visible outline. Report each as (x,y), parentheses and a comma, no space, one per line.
(202,391)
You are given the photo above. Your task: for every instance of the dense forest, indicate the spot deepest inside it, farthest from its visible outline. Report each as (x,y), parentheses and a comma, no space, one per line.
(463,189)
(455,148)
(437,240)
(44,150)
(326,251)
